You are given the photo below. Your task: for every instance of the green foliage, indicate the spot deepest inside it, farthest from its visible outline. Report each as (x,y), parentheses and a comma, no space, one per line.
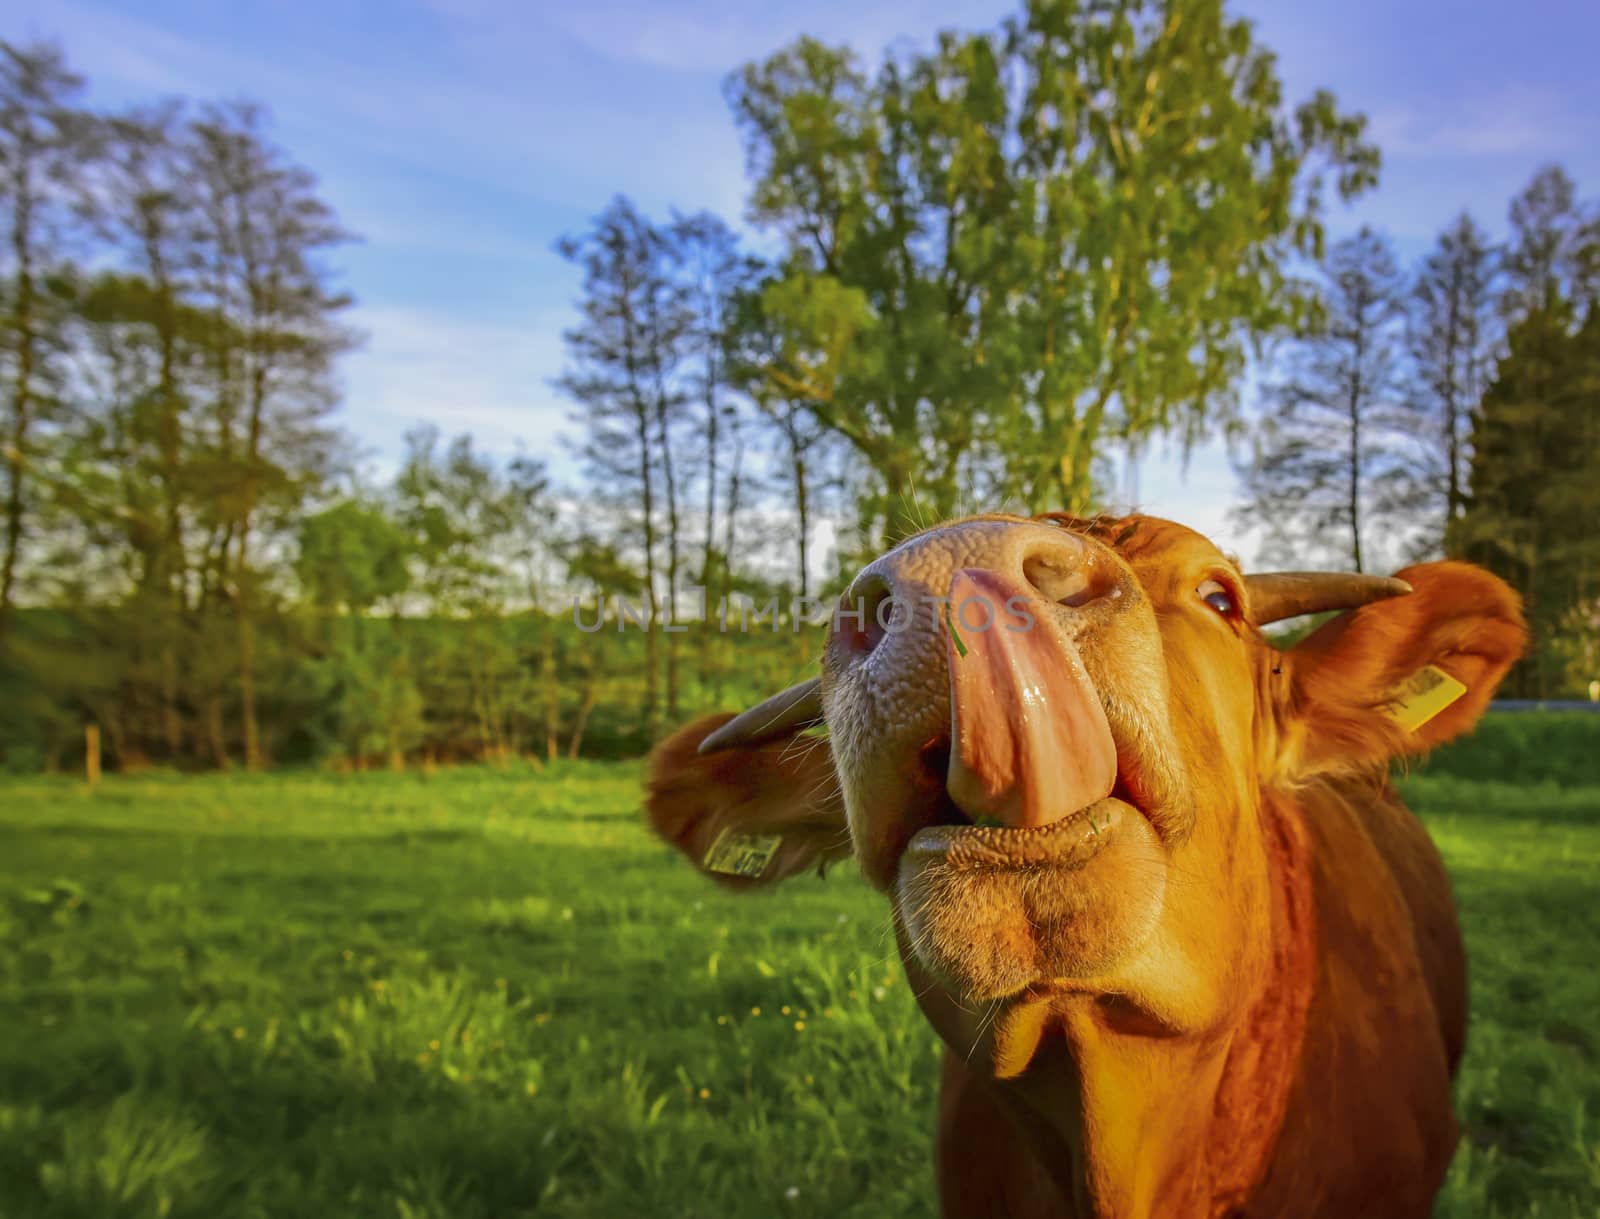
(1527,748)
(1003,253)
(45,140)
(169,367)
(366,702)
(1535,497)
(1004,257)
(461,518)
(352,556)
(1536,436)
(1576,647)
(370,690)
(489,993)
(1488,461)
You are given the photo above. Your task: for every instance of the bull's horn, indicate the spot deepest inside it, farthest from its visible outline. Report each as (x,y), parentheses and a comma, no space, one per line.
(1275,595)
(795,708)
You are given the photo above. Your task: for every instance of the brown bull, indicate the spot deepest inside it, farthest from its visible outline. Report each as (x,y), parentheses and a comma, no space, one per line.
(1190,955)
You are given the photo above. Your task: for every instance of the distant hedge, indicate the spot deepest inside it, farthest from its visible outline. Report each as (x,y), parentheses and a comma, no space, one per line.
(1561,747)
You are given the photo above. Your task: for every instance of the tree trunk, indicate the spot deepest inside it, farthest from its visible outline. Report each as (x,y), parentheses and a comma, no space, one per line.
(22,395)
(91,754)
(551,690)
(797,470)
(14,510)
(171,718)
(172,558)
(249,727)
(1355,485)
(671,488)
(485,707)
(709,551)
(216,738)
(586,702)
(730,539)
(1357,391)
(652,662)
(802,501)
(244,603)
(1452,400)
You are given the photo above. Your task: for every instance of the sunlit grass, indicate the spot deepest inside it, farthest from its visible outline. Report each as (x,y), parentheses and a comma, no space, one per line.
(488,993)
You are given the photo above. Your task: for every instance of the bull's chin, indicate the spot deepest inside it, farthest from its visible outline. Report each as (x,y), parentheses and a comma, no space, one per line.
(990,912)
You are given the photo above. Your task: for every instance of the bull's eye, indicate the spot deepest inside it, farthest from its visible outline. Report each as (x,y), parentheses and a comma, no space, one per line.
(1215,594)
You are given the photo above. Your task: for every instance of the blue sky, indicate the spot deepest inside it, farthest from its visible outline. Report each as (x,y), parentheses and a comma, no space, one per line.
(460,138)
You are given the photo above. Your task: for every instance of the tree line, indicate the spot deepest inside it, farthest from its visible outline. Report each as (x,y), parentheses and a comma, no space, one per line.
(170,333)
(1455,411)
(989,270)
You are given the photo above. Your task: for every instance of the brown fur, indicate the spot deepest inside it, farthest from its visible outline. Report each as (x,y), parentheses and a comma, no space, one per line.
(787,788)
(1295,1057)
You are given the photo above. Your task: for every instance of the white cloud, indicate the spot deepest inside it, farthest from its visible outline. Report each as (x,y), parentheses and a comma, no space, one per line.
(390,229)
(1525,122)
(490,379)
(560,136)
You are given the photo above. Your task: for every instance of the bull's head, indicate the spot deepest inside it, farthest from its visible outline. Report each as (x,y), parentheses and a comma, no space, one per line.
(1052,755)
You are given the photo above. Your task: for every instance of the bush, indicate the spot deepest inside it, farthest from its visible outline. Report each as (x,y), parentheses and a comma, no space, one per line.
(1561,747)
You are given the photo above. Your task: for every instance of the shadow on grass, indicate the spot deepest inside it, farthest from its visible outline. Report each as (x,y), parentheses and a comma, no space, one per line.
(167,1124)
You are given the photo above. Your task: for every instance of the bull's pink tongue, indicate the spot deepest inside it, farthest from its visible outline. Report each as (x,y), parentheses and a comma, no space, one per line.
(1029,739)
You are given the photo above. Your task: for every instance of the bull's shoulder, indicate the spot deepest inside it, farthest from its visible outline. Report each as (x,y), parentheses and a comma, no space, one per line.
(1369,1127)
(1350,818)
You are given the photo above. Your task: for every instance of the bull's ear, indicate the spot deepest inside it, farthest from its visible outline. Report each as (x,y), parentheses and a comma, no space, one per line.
(1400,676)
(748,816)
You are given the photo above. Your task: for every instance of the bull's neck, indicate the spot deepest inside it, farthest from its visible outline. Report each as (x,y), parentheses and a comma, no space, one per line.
(1182,1128)
(1253,1094)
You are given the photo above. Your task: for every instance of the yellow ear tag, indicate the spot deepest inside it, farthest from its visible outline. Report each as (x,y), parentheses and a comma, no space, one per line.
(735,854)
(1427,692)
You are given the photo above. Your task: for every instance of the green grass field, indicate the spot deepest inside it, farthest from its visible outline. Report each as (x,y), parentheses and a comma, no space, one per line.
(490,994)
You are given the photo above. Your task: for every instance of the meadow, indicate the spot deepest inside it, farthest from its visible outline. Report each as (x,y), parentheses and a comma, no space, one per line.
(486,993)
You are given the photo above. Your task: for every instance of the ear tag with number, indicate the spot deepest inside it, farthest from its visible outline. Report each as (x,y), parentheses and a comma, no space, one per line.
(735,854)
(1425,693)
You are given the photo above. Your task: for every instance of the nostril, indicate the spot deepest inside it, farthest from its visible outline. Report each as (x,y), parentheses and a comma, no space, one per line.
(1060,575)
(865,614)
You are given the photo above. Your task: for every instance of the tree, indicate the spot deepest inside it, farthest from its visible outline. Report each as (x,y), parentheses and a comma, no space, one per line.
(147,212)
(756,342)
(265,229)
(1555,246)
(730,554)
(462,516)
(1451,336)
(625,355)
(1536,433)
(458,514)
(1030,242)
(168,331)
(605,571)
(353,556)
(1577,648)
(1328,449)
(715,273)
(128,474)
(44,139)
(1535,500)
(537,542)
